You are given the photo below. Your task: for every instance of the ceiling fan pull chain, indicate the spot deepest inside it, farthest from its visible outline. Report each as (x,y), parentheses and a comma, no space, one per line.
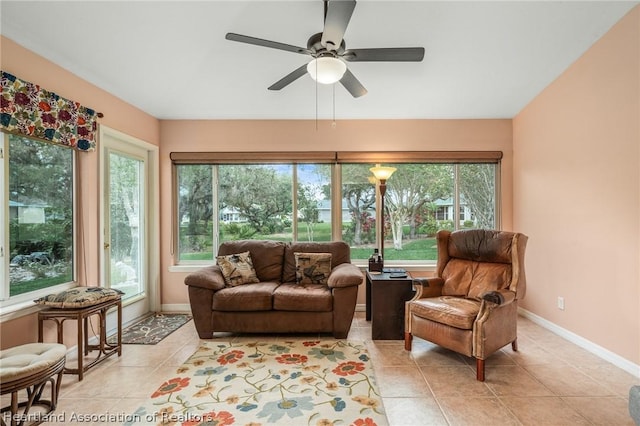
(316,81)
(333,124)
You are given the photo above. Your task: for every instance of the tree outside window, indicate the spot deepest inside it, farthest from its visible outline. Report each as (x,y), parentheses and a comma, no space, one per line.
(40,208)
(253,201)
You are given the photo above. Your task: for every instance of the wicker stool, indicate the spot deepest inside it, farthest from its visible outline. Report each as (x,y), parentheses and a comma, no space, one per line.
(81,316)
(79,304)
(30,367)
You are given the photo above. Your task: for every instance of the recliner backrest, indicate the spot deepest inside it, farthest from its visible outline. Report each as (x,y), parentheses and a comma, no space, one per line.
(467,278)
(475,261)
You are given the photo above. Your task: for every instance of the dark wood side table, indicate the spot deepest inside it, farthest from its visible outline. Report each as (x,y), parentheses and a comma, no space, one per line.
(81,316)
(385,297)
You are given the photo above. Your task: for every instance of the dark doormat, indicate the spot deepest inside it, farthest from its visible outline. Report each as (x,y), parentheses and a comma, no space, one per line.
(152,329)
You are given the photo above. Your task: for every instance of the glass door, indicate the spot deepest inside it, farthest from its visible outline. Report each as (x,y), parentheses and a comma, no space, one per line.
(125,244)
(127,221)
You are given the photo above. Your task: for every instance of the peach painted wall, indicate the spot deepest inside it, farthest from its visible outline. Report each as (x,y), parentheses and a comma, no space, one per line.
(301,135)
(577,193)
(118,115)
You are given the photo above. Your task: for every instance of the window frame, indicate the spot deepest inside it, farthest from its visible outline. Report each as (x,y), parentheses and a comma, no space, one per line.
(11,304)
(338,158)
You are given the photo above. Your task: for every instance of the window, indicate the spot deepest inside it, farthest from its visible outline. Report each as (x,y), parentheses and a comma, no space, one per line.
(37,199)
(477,188)
(420,200)
(313,202)
(359,220)
(220,202)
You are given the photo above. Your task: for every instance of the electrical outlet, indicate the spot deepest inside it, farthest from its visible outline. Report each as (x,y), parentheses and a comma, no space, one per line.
(561,303)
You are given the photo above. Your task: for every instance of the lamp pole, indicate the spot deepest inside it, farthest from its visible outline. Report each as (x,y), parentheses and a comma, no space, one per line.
(383,190)
(382,174)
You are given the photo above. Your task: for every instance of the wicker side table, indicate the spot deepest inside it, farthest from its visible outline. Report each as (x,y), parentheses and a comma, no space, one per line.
(81,316)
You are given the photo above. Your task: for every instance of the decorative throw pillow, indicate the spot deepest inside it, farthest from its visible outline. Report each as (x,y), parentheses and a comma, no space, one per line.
(237,269)
(312,268)
(79,297)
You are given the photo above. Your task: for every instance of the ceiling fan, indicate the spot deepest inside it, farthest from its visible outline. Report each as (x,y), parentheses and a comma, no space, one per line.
(329,51)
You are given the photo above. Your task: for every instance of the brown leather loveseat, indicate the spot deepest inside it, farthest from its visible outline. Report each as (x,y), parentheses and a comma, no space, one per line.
(279,302)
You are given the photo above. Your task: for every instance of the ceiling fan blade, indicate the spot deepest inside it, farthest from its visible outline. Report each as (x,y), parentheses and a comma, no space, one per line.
(391,54)
(336,20)
(266,43)
(351,83)
(289,78)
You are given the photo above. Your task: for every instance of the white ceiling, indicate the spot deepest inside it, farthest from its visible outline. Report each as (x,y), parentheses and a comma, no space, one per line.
(170,58)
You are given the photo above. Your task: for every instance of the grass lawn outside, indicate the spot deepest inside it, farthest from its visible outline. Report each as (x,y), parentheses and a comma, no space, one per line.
(37,284)
(419,249)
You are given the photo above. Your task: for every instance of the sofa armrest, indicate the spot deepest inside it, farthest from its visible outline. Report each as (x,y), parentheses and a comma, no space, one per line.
(209,278)
(345,275)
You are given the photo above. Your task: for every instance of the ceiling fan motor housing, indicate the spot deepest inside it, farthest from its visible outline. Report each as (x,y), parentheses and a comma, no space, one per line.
(314,44)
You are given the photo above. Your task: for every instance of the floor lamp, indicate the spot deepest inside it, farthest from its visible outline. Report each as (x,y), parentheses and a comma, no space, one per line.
(382,174)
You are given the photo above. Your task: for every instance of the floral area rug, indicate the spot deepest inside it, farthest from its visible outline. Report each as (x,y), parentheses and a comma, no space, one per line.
(152,329)
(289,383)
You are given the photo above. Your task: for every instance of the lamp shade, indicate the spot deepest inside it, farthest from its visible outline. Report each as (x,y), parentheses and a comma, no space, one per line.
(327,70)
(382,173)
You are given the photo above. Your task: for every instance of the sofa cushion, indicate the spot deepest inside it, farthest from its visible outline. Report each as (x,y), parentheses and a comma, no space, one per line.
(312,268)
(248,297)
(237,269)
(302,297)
(340,253)
(267,256)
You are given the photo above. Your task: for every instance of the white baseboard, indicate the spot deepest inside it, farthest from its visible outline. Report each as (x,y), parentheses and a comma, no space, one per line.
(361,307)
(176,307)
(595,349)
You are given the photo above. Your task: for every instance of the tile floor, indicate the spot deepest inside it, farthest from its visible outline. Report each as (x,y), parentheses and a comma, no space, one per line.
(549,381)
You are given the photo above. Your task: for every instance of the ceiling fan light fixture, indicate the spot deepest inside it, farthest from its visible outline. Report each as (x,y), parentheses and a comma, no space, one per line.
(326,70)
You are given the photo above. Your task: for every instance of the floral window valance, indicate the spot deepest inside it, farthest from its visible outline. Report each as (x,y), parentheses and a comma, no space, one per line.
(31,110)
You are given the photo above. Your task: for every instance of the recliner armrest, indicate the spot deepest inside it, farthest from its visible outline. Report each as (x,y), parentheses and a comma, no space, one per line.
(345,275)
(427,287)
(209,277)
(499,297)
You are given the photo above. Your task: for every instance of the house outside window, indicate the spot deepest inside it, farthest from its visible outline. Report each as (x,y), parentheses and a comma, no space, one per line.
(258,201)
(443,212)
(38,245)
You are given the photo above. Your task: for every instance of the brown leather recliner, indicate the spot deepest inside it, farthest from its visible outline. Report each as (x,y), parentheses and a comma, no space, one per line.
(471,305)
